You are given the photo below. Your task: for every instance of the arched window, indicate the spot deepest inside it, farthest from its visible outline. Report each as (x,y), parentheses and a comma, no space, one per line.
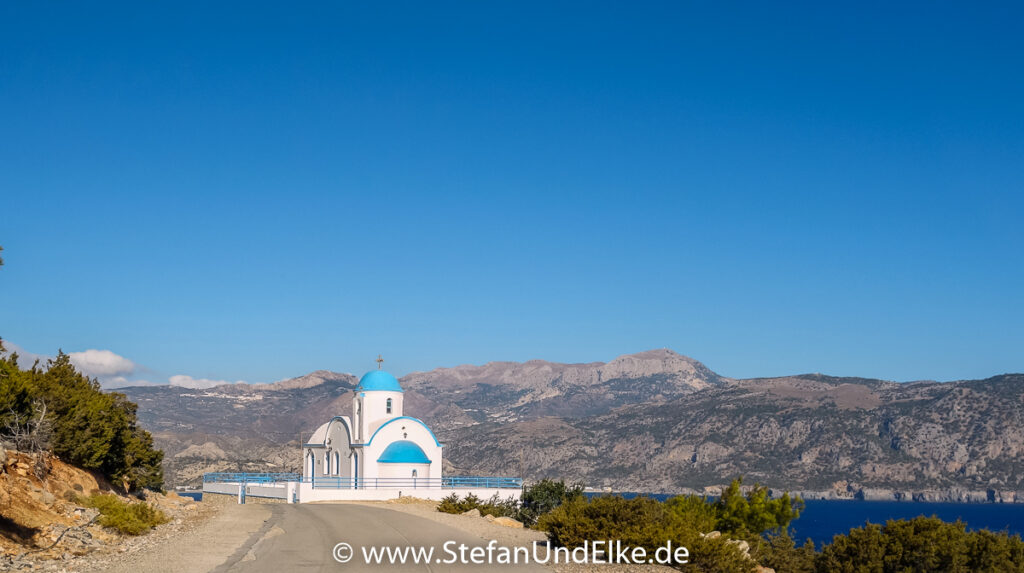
(327,463)
(389,406)
(337,463)
(413,473)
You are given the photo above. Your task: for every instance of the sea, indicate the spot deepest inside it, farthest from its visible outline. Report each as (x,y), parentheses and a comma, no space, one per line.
(823,519)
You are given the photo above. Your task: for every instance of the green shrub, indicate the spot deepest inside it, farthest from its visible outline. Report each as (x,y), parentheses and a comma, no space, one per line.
(493,506)
(738,515)
(91,428)
(453,504)
(500,507)
(919,545)
(718,556)
(641,522)
(751,515)
(544,496)
(129,518)
(638,522)
(536,500)
(698,511)
(781,553)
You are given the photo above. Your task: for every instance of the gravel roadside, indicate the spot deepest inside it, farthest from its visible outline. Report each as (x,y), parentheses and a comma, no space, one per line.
(199,546)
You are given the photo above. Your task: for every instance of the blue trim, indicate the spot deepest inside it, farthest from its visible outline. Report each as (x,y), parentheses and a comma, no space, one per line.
(420,422)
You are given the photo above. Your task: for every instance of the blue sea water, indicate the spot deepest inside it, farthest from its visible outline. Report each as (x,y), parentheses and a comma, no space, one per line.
(823,519)
(196,495)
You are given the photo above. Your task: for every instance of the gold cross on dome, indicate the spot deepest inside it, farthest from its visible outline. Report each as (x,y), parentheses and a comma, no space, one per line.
(380,361)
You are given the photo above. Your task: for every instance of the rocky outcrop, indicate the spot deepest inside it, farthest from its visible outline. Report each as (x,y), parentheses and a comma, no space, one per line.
(43,525)
(308,381)
(507,391)
(37,503)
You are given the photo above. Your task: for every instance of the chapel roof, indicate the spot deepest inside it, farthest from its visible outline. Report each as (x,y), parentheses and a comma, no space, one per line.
(403,452)
(378,380)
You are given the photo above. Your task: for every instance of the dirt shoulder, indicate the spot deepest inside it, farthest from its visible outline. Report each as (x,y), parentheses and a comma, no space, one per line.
(219,528)
(44,527)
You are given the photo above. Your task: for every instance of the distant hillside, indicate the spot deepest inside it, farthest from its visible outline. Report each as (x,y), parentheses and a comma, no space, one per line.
(653,421)
(238,427)
(806,432)
(505,391)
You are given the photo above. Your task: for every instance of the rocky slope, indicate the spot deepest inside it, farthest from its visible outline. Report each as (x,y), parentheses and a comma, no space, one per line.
(510,390)
(843,437)
(43,525)
(653,421)
(37,497)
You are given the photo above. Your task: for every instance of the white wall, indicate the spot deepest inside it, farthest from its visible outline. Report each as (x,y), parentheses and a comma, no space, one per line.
(403,429)
(307,494)
(278,491)
(404,471)
(374,410)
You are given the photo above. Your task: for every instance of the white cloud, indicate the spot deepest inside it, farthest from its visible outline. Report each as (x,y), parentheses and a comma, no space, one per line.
(101,363)
(186,381)
(25,358)
(112,370)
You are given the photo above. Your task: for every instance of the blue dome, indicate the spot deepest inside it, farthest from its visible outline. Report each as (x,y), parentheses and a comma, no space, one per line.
(403,452)
(378,380)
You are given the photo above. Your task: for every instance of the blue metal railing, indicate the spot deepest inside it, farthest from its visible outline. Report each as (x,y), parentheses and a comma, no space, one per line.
(255,478)
(447,482)
(477,481)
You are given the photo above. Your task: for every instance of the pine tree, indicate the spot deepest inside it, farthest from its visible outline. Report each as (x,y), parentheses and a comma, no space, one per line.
(86,426)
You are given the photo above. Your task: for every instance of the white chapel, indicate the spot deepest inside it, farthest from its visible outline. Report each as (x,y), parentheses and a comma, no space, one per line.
(377,445)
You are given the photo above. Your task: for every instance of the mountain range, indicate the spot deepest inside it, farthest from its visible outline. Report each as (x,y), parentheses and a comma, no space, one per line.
(652,421)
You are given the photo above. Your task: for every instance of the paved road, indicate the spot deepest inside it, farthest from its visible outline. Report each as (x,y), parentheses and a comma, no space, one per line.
(302,537)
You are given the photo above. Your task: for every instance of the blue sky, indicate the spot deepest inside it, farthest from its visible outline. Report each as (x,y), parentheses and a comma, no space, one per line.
(253,191)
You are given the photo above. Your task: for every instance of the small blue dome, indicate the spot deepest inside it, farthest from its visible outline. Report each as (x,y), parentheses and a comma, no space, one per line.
(378,380)
(403,452)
